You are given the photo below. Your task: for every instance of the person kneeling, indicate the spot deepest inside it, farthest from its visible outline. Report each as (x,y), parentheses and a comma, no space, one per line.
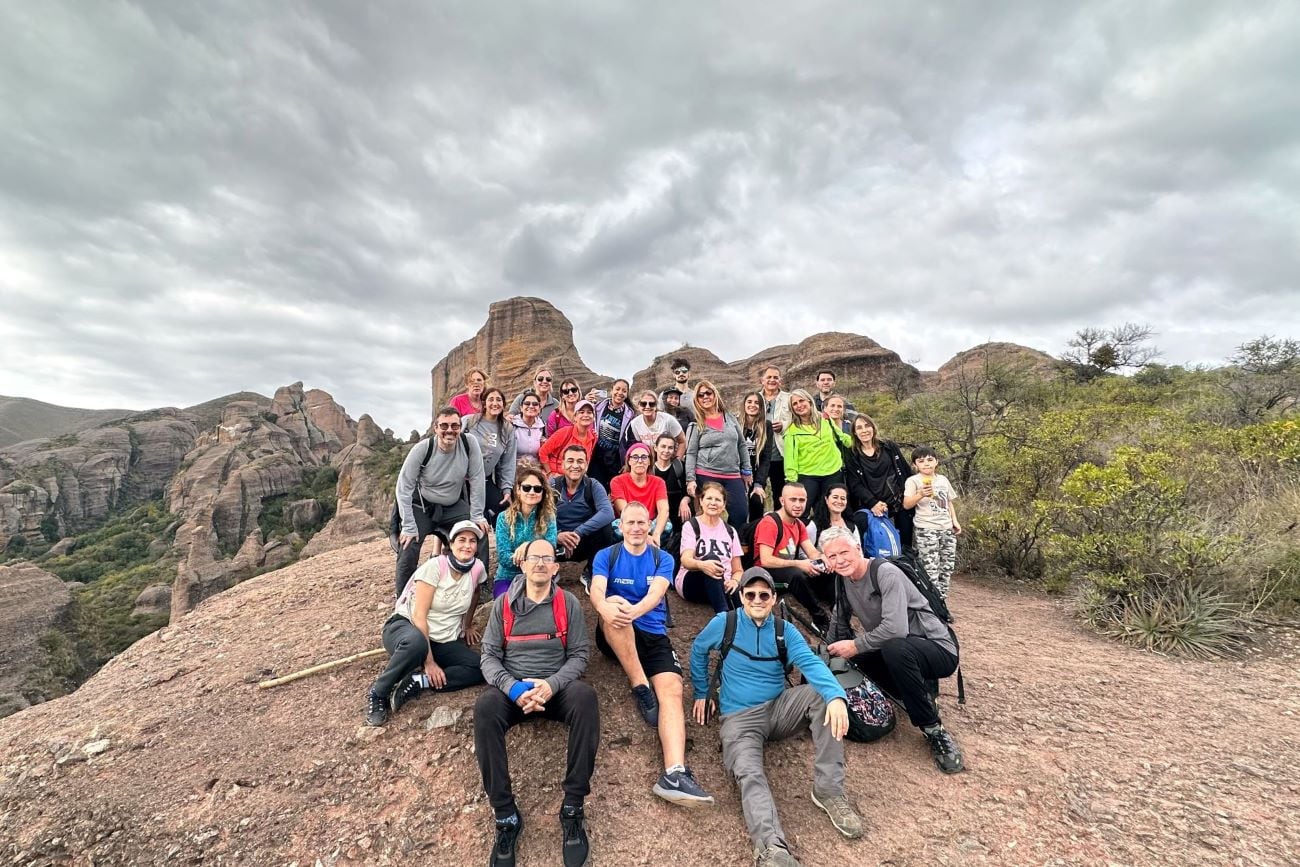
(628,582)
(534,651)
(432,627)
(757,707)
(904,646)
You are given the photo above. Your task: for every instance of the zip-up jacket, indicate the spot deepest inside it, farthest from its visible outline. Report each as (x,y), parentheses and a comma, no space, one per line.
(813,451)
(720,452)
(547,658)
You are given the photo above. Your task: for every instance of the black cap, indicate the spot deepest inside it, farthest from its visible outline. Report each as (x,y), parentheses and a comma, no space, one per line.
(756,573)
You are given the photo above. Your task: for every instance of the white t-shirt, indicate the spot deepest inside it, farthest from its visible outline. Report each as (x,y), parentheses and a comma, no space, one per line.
(452,596)
(663,424)
(931,512)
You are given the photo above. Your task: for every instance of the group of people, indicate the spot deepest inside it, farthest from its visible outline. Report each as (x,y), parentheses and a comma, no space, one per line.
(656,499)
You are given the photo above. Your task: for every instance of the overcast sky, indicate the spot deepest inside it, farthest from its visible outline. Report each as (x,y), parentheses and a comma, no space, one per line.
(197,198)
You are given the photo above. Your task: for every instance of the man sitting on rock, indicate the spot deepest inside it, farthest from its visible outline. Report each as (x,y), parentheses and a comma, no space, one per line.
(628,582)
(534,650)
(440,484)
(758,707)
(583,514)
(904,646)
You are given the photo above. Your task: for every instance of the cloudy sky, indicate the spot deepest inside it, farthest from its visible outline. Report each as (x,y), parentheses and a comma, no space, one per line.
(197,198)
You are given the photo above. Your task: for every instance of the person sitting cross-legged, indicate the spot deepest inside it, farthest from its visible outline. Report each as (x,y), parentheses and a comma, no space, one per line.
(758,707)
(534,650)
(904,646)
(628,582)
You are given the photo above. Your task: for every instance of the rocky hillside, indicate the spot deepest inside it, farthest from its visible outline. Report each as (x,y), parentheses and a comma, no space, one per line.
(988,356)
(1080,751)
(22,418)
(32,601)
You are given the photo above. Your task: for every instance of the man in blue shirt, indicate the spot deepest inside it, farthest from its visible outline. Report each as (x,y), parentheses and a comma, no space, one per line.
(628,582)
(583,513)
(757,707)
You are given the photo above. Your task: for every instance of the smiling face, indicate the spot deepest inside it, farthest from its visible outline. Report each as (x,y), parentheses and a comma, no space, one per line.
(753,406)
(448,428)
(665,450)
(758,599)
(800,406)
(530,488)
(575,465)
(771,380)
(584,417)
(494,403)
(648,404)
(542,382)
(712,502)
(618,393)
(635,523)
(569,393)
(864,431)
(464,546)
(837,500)
(835,408)
(530,408)
(707,398)
(841,556)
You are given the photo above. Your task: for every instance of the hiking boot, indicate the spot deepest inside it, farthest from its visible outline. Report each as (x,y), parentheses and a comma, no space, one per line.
(574,826)
(947,755)
(377,712)
(647,704)
(405,690)
(680,787)
(775,856)
(508,831)
(842,816)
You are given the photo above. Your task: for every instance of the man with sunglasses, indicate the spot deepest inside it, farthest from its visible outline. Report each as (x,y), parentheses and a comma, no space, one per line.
(757,706)
(542,387)
(681,369)
(441,483)
(535,666)
(628,583)
(903,645)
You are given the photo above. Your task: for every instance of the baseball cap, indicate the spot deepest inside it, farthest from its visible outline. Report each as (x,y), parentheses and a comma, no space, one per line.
(757,573)
(462,526)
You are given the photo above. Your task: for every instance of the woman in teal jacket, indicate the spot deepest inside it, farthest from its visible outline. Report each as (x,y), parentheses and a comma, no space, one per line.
(531,515)
(812,448)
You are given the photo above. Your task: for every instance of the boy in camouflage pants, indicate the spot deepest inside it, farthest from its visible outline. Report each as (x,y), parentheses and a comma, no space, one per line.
(936,527)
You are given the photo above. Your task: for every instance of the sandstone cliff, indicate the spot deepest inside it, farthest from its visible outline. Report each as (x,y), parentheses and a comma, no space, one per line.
(32,601)
(22,418)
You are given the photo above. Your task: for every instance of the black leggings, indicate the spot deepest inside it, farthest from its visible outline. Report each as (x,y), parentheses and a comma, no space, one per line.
(817,486)
(698,587)
(447,516)
(407,649)
(902,667)
(801,589)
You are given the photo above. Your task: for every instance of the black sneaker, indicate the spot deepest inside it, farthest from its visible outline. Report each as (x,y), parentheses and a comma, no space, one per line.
(377,712)
(573,821)
(947,755)
(508,831)
(405,690)
(647,704)
(681,787)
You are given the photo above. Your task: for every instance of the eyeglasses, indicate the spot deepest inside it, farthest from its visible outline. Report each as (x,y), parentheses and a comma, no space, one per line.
(638,457)
(704,393)
(569,390)
(681,370)
(543,379)
(757,595)
(531,489)
(539,559)
(646,404)
(455,426)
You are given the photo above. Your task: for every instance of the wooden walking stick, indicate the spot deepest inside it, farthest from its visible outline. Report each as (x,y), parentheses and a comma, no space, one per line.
(317,669)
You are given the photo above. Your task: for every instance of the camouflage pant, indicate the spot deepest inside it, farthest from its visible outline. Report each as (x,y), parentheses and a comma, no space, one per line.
(938,552)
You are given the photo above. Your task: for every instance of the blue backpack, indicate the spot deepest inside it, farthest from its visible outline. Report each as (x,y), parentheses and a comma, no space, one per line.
(880,539)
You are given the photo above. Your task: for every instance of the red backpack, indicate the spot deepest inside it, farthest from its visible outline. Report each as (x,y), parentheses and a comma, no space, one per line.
(560,612)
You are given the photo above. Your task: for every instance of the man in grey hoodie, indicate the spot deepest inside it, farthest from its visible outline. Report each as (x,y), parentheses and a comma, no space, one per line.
(532,668)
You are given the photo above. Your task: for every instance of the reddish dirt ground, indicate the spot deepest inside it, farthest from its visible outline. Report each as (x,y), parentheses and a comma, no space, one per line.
(1080,751)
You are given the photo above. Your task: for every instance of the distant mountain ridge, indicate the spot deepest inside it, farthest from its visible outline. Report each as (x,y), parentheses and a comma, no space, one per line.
(22,418)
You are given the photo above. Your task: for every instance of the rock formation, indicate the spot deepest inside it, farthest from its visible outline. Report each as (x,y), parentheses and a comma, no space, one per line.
(69,484)
(1003,356)
(520,335)
(364,500)
(31,602)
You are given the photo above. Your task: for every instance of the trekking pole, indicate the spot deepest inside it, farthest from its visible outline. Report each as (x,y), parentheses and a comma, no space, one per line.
(317,669)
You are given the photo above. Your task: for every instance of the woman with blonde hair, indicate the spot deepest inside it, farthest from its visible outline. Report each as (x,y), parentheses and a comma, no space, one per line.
(812,447)
(716,452)
(531,515)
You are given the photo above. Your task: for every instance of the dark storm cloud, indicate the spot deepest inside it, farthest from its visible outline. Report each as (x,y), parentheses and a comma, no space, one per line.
(196,199)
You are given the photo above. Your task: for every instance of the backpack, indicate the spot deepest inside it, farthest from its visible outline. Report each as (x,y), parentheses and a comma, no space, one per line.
(881,538)
(911,566)
(728,640)
(558,485)
(560,612)
(395,519)
(749,557)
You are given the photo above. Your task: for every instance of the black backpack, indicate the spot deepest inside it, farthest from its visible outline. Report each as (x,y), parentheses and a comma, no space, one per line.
(910,565)
(395,519)
(746,534)
(728,640)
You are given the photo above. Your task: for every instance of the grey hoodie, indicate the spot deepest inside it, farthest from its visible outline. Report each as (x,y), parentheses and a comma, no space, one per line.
(721,452)
(899,611)
(498,449)
(546,658)
(442,481)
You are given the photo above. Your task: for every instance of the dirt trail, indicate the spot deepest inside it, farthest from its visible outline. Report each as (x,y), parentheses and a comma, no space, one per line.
(1079,751)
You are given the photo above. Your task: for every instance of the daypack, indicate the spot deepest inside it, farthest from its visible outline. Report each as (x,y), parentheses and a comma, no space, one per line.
(617,548)
(560,612)
(728,640)
(749,557)
(910,565)
(881,538)
(395,519)
(560,486)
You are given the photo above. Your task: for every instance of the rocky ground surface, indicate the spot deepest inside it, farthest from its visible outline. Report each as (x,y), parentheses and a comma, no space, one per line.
(1080,751)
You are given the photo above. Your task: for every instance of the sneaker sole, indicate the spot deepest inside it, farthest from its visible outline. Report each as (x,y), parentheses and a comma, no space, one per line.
(675,796)
(846,834)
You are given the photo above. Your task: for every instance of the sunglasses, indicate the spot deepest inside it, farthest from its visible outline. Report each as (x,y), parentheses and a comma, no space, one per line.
(531,489)
(646,404)
(543,379)
(681,370)
(704,393)
(757,595)
(531,404)
(449,426)
(569,390)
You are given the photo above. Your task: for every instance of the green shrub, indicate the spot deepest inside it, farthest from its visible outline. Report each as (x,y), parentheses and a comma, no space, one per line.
(1180,617)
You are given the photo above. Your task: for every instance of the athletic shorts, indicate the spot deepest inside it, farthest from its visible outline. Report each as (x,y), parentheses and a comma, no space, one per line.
(654,651)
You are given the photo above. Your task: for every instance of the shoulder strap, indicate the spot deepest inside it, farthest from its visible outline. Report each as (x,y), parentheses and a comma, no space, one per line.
(614,550)
(695,527)
(428,453)
(590,495)
(781,652)
(711,705)
(873,569)
(561,614)
(507,619)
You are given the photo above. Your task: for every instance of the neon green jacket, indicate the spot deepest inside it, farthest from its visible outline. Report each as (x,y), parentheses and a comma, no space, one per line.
(813,452)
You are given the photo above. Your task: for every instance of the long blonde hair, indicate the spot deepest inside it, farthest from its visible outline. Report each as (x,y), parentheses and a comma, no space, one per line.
(717,399)
(816,423)
(545,511)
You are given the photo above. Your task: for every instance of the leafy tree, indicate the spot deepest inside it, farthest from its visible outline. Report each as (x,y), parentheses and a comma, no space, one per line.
(1096,352)
(1264,379)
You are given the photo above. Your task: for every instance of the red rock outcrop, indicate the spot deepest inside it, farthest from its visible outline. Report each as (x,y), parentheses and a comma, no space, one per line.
(31,601)
(364,500)
(1003,356)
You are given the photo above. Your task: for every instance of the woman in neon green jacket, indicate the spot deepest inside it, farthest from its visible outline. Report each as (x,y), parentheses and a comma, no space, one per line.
(812,447)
